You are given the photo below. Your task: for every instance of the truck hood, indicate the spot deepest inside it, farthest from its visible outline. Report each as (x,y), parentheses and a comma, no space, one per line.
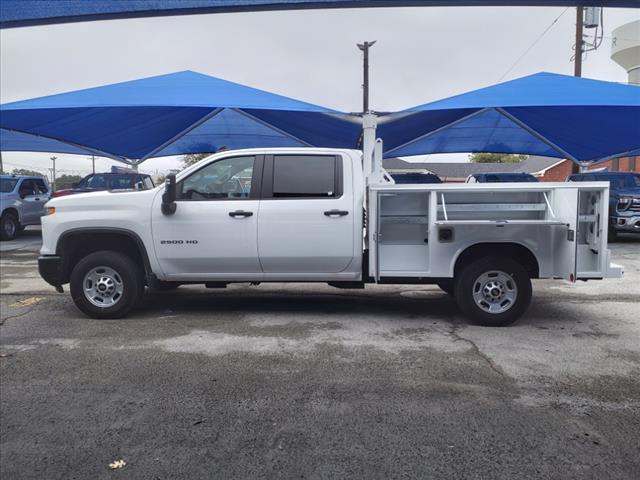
(627,192)
(101,198)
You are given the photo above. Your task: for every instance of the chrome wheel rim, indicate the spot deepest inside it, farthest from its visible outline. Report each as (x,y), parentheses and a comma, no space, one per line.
(103,287)
(495,292)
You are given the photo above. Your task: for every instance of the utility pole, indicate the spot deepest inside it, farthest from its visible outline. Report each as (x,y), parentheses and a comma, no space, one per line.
(53,174)
(93,164)
(579,26)
(364,48)
(577,66)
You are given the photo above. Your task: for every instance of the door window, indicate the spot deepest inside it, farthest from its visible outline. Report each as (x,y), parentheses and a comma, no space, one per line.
(227,179)
(306,176)
(26,188)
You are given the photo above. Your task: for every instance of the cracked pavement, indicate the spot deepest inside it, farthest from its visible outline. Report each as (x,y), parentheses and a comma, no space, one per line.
(307,381)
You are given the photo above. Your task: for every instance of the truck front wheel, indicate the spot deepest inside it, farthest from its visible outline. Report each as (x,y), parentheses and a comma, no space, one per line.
(493,291)
(106,284)
(9,226)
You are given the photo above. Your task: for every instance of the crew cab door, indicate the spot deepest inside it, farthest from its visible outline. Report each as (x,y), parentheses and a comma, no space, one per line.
(306,219)
(213,232)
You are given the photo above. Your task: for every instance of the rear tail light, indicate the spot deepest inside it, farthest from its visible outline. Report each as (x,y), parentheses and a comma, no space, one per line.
(61,193)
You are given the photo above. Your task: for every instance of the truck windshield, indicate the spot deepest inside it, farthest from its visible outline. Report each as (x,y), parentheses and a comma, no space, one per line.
(112,182)
(510,177)
(7,184)
(619,181)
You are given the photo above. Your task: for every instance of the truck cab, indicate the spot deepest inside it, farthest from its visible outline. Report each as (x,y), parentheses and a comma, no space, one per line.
(298,215)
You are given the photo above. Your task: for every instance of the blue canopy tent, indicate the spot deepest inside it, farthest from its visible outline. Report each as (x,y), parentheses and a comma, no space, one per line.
(178,113)
(18,13)
(546,114)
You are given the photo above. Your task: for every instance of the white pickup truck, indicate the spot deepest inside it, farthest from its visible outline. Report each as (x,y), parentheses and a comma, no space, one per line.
(298,215)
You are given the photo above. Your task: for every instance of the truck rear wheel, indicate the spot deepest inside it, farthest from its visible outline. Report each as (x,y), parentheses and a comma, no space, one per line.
(493,291)
(106,284)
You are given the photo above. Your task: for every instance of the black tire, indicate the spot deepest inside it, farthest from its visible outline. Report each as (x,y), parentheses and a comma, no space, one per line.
(129,274)
(9,226)
(612,236)
(448,286)
(469,282)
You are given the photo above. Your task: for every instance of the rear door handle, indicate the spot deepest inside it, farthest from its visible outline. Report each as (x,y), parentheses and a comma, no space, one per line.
(337,213)
(240,213)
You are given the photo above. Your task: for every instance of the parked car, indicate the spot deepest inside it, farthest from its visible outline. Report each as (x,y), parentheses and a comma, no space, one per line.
(501,177)
(22,200)
(415,178)
(118,179)
(624,199)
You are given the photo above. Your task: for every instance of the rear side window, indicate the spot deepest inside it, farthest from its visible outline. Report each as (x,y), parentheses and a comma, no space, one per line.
(306,176)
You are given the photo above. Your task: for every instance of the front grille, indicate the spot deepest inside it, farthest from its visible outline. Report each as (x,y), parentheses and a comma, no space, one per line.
(635,205)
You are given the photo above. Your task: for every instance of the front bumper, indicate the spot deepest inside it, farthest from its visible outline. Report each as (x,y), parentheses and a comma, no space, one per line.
(630,224)
(50,269)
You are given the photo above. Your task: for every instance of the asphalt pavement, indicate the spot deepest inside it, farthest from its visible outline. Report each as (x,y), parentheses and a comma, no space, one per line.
(307,381)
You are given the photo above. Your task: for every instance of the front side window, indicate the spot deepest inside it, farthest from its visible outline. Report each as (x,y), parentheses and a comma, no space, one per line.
(305,176)
(26,188)
(229,178)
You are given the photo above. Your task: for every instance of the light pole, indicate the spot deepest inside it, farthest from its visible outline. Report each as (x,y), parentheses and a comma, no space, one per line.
(53,174)
(93,164)
(364,48)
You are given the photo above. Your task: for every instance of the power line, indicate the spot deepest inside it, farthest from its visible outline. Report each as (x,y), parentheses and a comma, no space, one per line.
(535,42)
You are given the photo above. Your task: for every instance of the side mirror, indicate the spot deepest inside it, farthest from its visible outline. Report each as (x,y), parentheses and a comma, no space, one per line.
(169,195)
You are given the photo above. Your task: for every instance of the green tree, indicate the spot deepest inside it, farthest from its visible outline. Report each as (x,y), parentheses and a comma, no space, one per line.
(497,158)
(191,158)
(67,181)
(26,171)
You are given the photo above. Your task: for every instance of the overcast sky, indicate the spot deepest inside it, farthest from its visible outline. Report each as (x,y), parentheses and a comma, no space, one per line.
(422,54)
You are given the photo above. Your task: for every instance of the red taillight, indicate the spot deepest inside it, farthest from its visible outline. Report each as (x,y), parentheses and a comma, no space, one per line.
(60,193)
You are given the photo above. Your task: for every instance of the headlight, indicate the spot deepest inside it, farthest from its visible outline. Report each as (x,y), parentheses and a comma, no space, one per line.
(51,210)
(624,203)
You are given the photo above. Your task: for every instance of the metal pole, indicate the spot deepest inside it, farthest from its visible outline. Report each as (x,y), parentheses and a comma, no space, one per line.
(578,58)
(364,47)
(93,164)
(1,167)
(53,183)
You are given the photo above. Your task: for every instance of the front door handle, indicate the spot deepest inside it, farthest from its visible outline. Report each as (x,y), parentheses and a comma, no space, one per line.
(337,213)
(240,213)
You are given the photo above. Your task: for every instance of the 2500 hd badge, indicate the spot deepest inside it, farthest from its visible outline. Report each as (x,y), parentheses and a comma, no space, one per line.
(178,242)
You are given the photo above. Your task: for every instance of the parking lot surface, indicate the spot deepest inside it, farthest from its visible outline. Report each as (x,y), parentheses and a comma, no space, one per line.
(307,381)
